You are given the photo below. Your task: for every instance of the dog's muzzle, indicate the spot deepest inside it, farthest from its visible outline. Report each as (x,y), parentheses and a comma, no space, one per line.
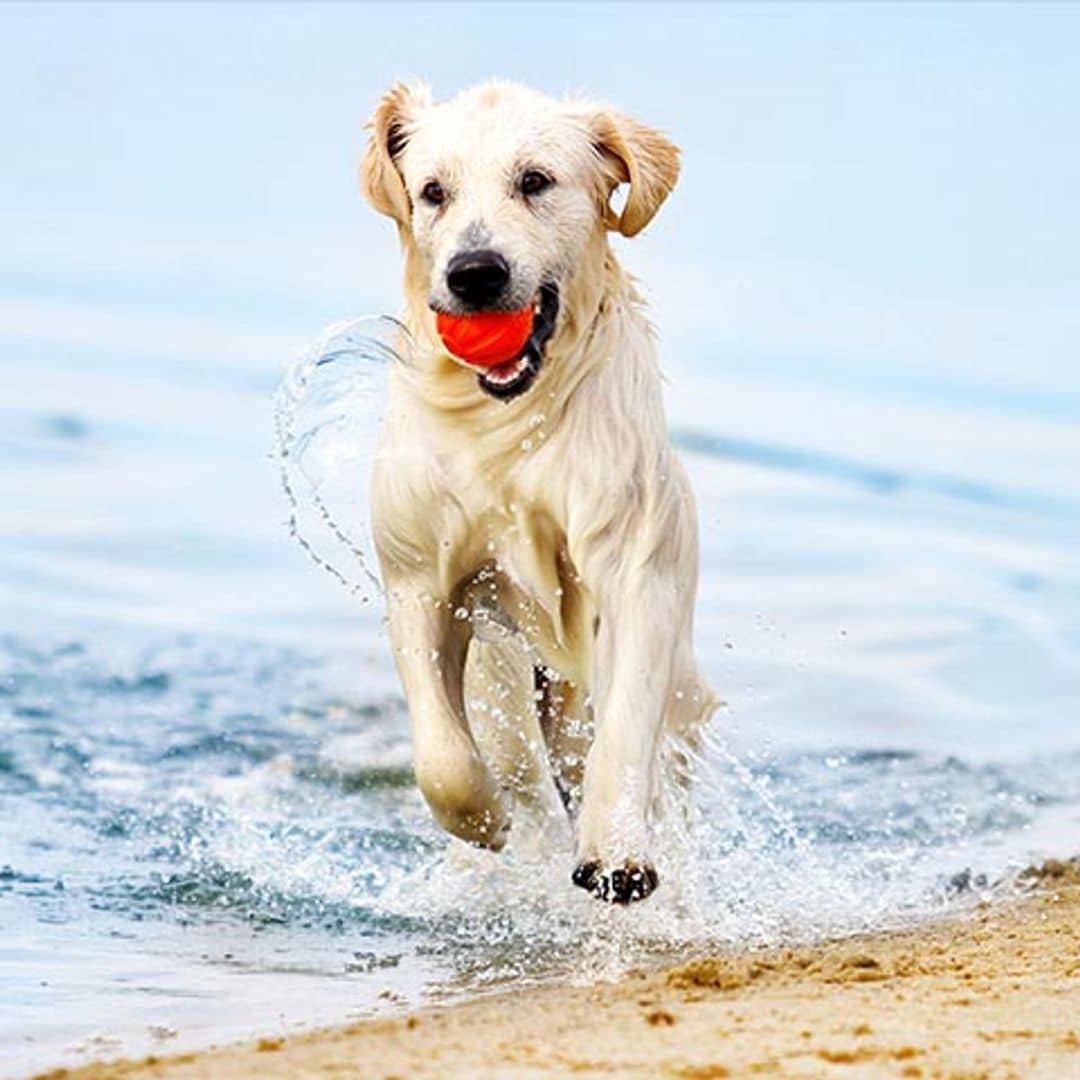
(512,378)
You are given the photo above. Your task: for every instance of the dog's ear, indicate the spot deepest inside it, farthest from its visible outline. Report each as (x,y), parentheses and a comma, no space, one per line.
(391,125)
(640,156)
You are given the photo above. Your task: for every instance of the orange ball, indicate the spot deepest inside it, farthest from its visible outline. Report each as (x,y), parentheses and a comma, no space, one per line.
(488,338)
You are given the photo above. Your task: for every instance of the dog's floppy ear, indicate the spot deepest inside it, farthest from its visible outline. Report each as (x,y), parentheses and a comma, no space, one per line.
(641,156)
(390,126)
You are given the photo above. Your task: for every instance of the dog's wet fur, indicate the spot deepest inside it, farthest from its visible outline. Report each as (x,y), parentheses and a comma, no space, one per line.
(547,503)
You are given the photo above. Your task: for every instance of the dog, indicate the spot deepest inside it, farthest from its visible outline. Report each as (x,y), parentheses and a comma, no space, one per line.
(536,533)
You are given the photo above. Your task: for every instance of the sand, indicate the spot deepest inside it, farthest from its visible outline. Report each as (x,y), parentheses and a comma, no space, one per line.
(994,992)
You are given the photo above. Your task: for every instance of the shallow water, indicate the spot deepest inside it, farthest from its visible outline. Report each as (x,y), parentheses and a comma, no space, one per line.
(208,822)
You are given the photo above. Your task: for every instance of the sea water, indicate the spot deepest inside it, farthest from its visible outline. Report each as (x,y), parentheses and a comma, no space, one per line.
(208,825)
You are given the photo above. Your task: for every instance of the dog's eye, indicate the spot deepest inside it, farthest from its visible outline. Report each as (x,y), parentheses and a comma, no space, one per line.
(534,181)
(433,193)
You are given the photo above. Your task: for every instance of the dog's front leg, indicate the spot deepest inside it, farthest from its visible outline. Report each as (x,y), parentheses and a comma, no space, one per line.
(640,628)
(429,649)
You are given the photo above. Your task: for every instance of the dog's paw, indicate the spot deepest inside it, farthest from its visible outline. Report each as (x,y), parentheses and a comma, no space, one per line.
(622,885)
(488,826)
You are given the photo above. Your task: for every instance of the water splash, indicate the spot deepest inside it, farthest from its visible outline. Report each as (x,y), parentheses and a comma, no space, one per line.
(327,413)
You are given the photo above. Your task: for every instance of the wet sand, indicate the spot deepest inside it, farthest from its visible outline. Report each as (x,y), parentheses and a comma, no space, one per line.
(993,993)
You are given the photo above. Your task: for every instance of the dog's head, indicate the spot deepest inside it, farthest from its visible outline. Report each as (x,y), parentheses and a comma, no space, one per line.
(498,195)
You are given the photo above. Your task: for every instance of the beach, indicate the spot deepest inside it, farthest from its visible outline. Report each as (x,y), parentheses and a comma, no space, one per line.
(866,306)
(992,992)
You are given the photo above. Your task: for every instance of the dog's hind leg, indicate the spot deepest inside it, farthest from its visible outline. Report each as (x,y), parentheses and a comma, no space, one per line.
(566,721)
(500,700)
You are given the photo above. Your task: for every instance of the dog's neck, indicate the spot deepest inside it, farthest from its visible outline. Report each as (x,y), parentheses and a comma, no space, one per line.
(600,309)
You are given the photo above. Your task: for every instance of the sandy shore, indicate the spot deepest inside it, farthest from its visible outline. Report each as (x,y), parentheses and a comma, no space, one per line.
(993,994)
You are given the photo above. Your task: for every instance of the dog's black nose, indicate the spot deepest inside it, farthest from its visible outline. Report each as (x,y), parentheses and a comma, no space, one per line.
(477,277)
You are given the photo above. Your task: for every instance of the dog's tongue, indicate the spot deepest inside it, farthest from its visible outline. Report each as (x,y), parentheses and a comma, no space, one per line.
(488,338)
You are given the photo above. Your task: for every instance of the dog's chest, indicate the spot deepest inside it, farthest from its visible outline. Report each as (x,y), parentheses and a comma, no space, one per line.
(508,518)
(508,522)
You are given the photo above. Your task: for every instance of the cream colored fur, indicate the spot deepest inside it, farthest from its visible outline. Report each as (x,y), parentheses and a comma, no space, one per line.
(561,522)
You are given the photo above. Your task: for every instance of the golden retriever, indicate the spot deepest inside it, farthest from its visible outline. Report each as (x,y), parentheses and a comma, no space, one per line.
(536,532)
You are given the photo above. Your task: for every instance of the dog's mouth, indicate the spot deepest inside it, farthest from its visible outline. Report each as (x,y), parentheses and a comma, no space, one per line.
(511,378)
(515,376)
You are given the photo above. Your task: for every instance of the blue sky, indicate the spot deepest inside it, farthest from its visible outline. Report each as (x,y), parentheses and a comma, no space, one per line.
(875,191)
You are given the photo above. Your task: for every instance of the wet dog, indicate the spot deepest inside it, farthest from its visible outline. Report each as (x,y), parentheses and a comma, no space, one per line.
(536,532)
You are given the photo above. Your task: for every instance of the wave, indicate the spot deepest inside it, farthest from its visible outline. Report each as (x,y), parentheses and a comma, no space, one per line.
(873,478)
